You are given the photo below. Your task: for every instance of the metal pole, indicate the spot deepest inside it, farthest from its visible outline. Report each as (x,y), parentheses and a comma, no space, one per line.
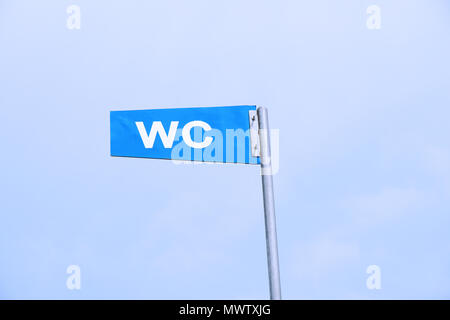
(269,205)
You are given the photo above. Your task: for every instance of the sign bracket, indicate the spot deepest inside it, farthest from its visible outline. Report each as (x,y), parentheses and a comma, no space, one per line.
(254,135)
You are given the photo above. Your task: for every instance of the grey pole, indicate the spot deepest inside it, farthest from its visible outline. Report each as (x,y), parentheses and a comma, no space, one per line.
(269,205)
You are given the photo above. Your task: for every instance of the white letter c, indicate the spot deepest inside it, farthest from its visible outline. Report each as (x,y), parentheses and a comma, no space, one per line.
(186,133)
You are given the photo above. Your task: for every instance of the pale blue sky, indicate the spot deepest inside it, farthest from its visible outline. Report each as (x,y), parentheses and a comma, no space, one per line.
(365,151)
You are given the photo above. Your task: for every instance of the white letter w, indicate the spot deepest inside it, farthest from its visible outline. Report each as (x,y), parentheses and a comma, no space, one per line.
(157,127)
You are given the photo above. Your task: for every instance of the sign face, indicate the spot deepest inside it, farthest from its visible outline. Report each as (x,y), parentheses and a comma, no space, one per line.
(212,134)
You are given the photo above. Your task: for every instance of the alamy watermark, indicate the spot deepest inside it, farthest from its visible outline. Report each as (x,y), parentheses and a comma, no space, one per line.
(374,19)
(373,282)
(210,145)
(74,17)
(73,282)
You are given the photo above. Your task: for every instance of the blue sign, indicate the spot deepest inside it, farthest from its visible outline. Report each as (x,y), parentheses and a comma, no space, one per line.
(212,134)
